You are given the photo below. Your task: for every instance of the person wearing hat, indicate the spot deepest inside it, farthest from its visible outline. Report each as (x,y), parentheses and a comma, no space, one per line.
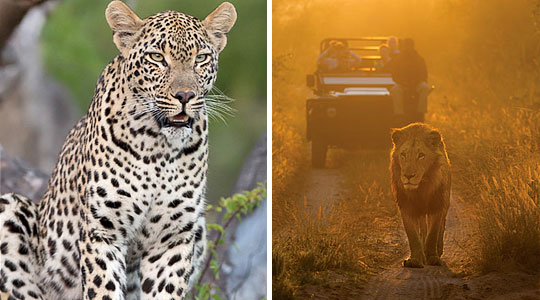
(338,58)
(409,72)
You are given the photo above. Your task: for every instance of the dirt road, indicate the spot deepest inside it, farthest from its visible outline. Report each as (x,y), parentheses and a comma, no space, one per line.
(323,187)
(430,282)
(454,280)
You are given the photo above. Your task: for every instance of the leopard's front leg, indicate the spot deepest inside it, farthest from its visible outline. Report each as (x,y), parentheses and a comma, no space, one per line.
(199,250)
(167,271)
(103,245)
(103,267)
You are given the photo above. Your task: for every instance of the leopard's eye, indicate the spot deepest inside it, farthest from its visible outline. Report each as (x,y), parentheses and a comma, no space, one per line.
(201,58)
(157,57)
(403,154)
(421,155)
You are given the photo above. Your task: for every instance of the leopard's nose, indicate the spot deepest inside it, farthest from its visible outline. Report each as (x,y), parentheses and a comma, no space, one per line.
(184,97)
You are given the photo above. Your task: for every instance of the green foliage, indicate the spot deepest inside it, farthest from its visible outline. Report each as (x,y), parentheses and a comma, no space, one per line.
(234,207)
(242,203)
(77,45)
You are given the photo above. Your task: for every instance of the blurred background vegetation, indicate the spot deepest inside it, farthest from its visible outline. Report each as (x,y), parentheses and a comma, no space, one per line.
(77,45)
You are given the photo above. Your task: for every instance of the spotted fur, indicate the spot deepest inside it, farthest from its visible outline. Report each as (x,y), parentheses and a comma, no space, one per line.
(123,216)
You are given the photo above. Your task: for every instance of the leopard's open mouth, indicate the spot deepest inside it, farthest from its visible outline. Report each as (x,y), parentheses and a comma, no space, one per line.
(180,120)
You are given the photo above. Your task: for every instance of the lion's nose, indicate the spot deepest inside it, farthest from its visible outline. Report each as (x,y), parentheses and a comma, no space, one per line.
(184,97)
(409,176)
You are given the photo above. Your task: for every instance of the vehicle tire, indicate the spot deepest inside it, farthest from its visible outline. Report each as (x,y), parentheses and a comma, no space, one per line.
(318,153)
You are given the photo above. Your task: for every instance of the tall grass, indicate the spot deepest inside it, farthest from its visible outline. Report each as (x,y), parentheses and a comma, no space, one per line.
(290,156)
(494,151)
(509,218)
(492,120)
(312,248)
(351,236)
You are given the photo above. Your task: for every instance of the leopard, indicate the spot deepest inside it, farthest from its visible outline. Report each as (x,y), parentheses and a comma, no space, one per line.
(123,216)
(421,184)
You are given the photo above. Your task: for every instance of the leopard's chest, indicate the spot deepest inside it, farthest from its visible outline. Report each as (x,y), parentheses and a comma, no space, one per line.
(169,197)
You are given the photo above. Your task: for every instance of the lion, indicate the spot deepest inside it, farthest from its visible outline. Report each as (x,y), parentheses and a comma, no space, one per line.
(420,176)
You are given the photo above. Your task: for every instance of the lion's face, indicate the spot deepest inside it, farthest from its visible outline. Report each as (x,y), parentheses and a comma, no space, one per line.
(416,151)
(415,158)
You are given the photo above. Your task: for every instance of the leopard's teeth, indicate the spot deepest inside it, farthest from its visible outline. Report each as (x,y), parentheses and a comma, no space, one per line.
(182,117)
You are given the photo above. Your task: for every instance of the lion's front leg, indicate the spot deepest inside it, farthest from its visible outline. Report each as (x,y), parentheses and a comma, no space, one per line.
(412,228)
(441,237)
(434,239)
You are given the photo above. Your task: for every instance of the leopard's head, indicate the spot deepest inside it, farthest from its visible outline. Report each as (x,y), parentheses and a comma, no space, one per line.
(169,63)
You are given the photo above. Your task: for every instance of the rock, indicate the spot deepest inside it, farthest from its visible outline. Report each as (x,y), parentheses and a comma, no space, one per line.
(16,176)
(246,255)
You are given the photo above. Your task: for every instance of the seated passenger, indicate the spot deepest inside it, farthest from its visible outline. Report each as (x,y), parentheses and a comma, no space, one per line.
(338,58)
(393,46)
(409,72)
(382,65)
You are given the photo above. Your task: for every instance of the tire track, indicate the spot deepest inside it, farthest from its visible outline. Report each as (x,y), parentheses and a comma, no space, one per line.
(324,187)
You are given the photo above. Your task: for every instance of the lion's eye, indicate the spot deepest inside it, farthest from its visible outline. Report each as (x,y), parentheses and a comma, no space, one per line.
(403,154)
(421,155)
(201,58)
(157,57)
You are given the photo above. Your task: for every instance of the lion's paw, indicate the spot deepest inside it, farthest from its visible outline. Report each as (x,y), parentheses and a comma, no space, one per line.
(434,261)
(412,263)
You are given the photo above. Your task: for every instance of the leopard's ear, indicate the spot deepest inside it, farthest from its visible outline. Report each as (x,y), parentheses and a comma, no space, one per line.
(125,25)
(219,23)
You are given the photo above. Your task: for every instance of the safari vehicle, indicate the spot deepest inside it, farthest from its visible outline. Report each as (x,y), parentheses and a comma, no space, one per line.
(352,108)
